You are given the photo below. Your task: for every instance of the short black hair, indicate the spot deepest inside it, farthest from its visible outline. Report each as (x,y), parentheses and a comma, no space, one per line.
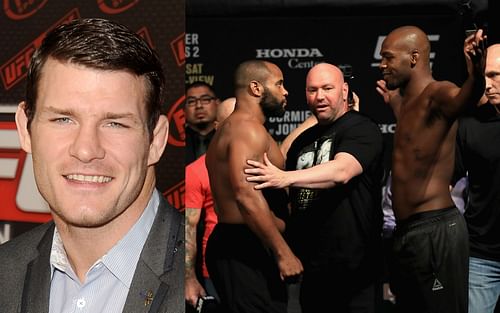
(104,45)
(201,84)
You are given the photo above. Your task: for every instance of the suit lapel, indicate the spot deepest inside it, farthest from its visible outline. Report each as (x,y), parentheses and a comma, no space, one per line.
(36,291)
(151,282)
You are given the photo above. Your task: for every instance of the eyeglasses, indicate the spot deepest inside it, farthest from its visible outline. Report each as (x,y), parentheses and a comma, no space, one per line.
(204,100)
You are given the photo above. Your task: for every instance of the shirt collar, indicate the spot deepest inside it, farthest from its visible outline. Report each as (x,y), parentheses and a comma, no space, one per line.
(122,258)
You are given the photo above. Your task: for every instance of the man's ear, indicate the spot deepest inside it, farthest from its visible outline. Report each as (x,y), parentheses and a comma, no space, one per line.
(22,127)
(159,140)
(414,57)
(256,88)
(345,91)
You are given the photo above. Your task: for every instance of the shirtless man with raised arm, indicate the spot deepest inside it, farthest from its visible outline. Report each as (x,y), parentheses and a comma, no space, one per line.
(430,246)
(247,257)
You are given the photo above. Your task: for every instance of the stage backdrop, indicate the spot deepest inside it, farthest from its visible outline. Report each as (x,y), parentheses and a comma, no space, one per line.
(216,45)
(23,25)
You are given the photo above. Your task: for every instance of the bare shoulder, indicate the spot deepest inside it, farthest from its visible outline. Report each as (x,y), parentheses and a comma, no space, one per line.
(440,84)
(441,90)
(249,129)
(243,135)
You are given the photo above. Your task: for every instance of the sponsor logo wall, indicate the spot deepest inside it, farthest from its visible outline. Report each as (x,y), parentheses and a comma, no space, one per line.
(215,46)
(23,24)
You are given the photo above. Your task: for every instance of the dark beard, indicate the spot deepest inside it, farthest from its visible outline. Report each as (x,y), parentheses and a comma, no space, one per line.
(271,106)
(391,85)
(395,82)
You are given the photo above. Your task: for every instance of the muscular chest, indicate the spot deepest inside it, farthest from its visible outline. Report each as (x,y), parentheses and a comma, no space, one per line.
(410,130)
(419,122)
(420,134)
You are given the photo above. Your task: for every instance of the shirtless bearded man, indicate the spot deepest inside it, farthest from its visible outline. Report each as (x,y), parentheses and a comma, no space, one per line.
(247,257)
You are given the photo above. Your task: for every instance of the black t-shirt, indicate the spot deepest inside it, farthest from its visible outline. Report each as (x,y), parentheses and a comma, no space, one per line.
(478,152)
(196,144)
(340,226)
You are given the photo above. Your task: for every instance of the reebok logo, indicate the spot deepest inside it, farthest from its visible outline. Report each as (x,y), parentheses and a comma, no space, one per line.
(437,285)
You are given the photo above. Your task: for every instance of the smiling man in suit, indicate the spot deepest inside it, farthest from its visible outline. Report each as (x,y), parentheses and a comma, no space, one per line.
(92,122)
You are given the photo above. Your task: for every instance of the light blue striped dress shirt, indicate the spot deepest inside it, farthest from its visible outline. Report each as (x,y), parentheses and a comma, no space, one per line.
(108,281)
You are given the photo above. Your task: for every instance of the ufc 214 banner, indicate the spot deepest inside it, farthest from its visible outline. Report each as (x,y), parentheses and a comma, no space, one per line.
(23,24)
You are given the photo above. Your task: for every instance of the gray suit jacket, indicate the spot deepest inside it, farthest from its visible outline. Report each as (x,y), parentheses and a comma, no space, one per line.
(25,269)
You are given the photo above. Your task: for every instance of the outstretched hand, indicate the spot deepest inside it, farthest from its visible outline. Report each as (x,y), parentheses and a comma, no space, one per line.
(266,174)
